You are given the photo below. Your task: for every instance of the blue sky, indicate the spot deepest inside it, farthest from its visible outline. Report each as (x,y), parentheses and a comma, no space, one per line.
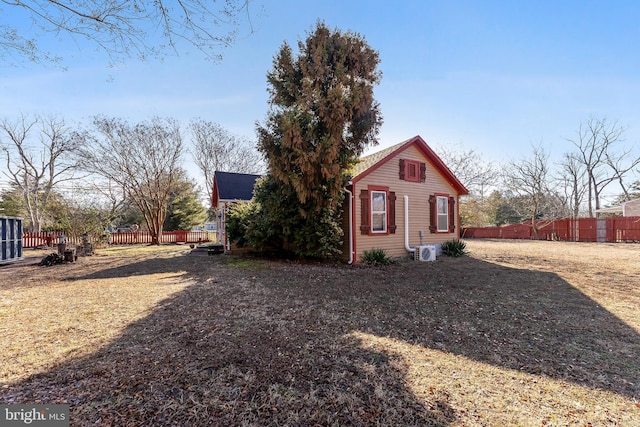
(496,76)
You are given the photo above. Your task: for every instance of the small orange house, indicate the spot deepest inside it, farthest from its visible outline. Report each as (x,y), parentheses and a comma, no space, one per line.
(399,199)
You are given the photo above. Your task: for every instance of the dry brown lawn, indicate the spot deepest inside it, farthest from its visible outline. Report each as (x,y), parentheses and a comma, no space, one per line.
(518,333)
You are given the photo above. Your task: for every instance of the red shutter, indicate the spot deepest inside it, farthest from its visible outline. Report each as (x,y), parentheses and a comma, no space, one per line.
(364,210)
(433,215)
(391,206)
(452,216)
(402,170)
(423,172)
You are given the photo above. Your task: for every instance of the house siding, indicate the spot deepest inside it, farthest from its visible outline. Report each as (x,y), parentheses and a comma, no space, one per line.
(631,208)
(419,216)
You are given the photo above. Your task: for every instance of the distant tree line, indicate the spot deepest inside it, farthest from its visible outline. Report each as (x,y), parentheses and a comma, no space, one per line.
(115,173)
(112,173)
(534,187)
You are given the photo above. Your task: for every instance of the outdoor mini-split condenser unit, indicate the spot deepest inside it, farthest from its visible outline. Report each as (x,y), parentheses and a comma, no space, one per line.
(425,253)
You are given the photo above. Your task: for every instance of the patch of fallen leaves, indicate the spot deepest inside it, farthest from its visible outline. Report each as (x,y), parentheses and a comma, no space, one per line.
(159,338)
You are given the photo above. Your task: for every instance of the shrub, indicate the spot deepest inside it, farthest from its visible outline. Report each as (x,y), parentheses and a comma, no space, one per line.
(238,221)
(273,222)
(454,248)
(377,257)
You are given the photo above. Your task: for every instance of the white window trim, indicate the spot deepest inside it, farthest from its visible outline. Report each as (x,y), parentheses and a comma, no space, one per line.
(384,212)
(445,214)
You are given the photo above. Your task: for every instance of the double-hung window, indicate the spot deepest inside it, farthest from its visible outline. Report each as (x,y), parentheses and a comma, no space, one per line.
(442,213)
(378,211)
(442,203)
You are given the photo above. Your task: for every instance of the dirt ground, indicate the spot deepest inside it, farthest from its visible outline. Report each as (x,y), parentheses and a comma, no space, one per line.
(517,333)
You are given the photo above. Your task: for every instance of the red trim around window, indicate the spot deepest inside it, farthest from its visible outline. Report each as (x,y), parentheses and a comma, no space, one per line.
(380,189)
(366,211)
(433,208)
(412,170)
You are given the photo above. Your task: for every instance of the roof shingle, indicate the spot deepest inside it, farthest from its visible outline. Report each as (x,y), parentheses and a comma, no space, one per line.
(235,186)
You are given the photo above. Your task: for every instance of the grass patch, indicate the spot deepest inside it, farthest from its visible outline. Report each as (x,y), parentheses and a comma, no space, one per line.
(143,249)
(241,263)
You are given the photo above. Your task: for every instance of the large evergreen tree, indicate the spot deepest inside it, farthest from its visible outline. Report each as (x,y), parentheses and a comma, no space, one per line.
(184,209)
(323,114)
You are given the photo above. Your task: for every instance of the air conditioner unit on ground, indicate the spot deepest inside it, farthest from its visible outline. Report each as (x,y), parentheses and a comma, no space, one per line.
(425,253)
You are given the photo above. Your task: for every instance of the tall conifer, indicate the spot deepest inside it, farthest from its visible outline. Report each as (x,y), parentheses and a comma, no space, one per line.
(323,114)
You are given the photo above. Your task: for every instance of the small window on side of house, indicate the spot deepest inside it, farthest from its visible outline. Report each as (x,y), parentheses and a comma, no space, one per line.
(442,203)
(412,170)
(378,212)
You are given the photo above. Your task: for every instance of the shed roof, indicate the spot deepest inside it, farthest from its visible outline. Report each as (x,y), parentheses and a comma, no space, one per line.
(371,162)
(628,208)
(228,186)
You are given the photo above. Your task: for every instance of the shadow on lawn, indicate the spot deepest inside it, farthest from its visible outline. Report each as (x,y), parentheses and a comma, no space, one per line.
(228,351)
(269,344)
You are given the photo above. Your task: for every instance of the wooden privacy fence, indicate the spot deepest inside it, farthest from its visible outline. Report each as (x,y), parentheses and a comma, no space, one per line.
(610,229)
(35,240)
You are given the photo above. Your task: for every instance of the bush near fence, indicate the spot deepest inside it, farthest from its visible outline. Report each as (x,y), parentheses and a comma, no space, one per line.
(610,229)
(50,239)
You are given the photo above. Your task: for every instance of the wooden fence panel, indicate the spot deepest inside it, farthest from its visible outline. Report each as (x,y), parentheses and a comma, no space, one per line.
(38,240)
(624,229)
(50,239)
(517,231)
(143,237)
(618,229)
(587,230)
(132,238)
(482,233)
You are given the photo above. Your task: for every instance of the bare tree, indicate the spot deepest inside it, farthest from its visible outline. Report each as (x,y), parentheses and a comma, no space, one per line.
(597,143)
(528,180)
(621,164)
(36,169)
(143,159)
(573,180)
(478,176)
(215,149)
(469,167)
(122,28)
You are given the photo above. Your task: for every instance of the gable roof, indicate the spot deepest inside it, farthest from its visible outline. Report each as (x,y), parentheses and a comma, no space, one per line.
(369,163)
(230,186)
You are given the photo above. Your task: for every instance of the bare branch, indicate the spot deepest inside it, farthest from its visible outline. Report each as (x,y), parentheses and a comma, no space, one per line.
(143,159)
(122,28)
(529,180)
(597,144)
(468,166)
(215,149)
(36,179)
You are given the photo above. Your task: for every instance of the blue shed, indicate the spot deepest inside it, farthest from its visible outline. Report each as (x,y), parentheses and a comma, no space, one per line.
(10,239)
